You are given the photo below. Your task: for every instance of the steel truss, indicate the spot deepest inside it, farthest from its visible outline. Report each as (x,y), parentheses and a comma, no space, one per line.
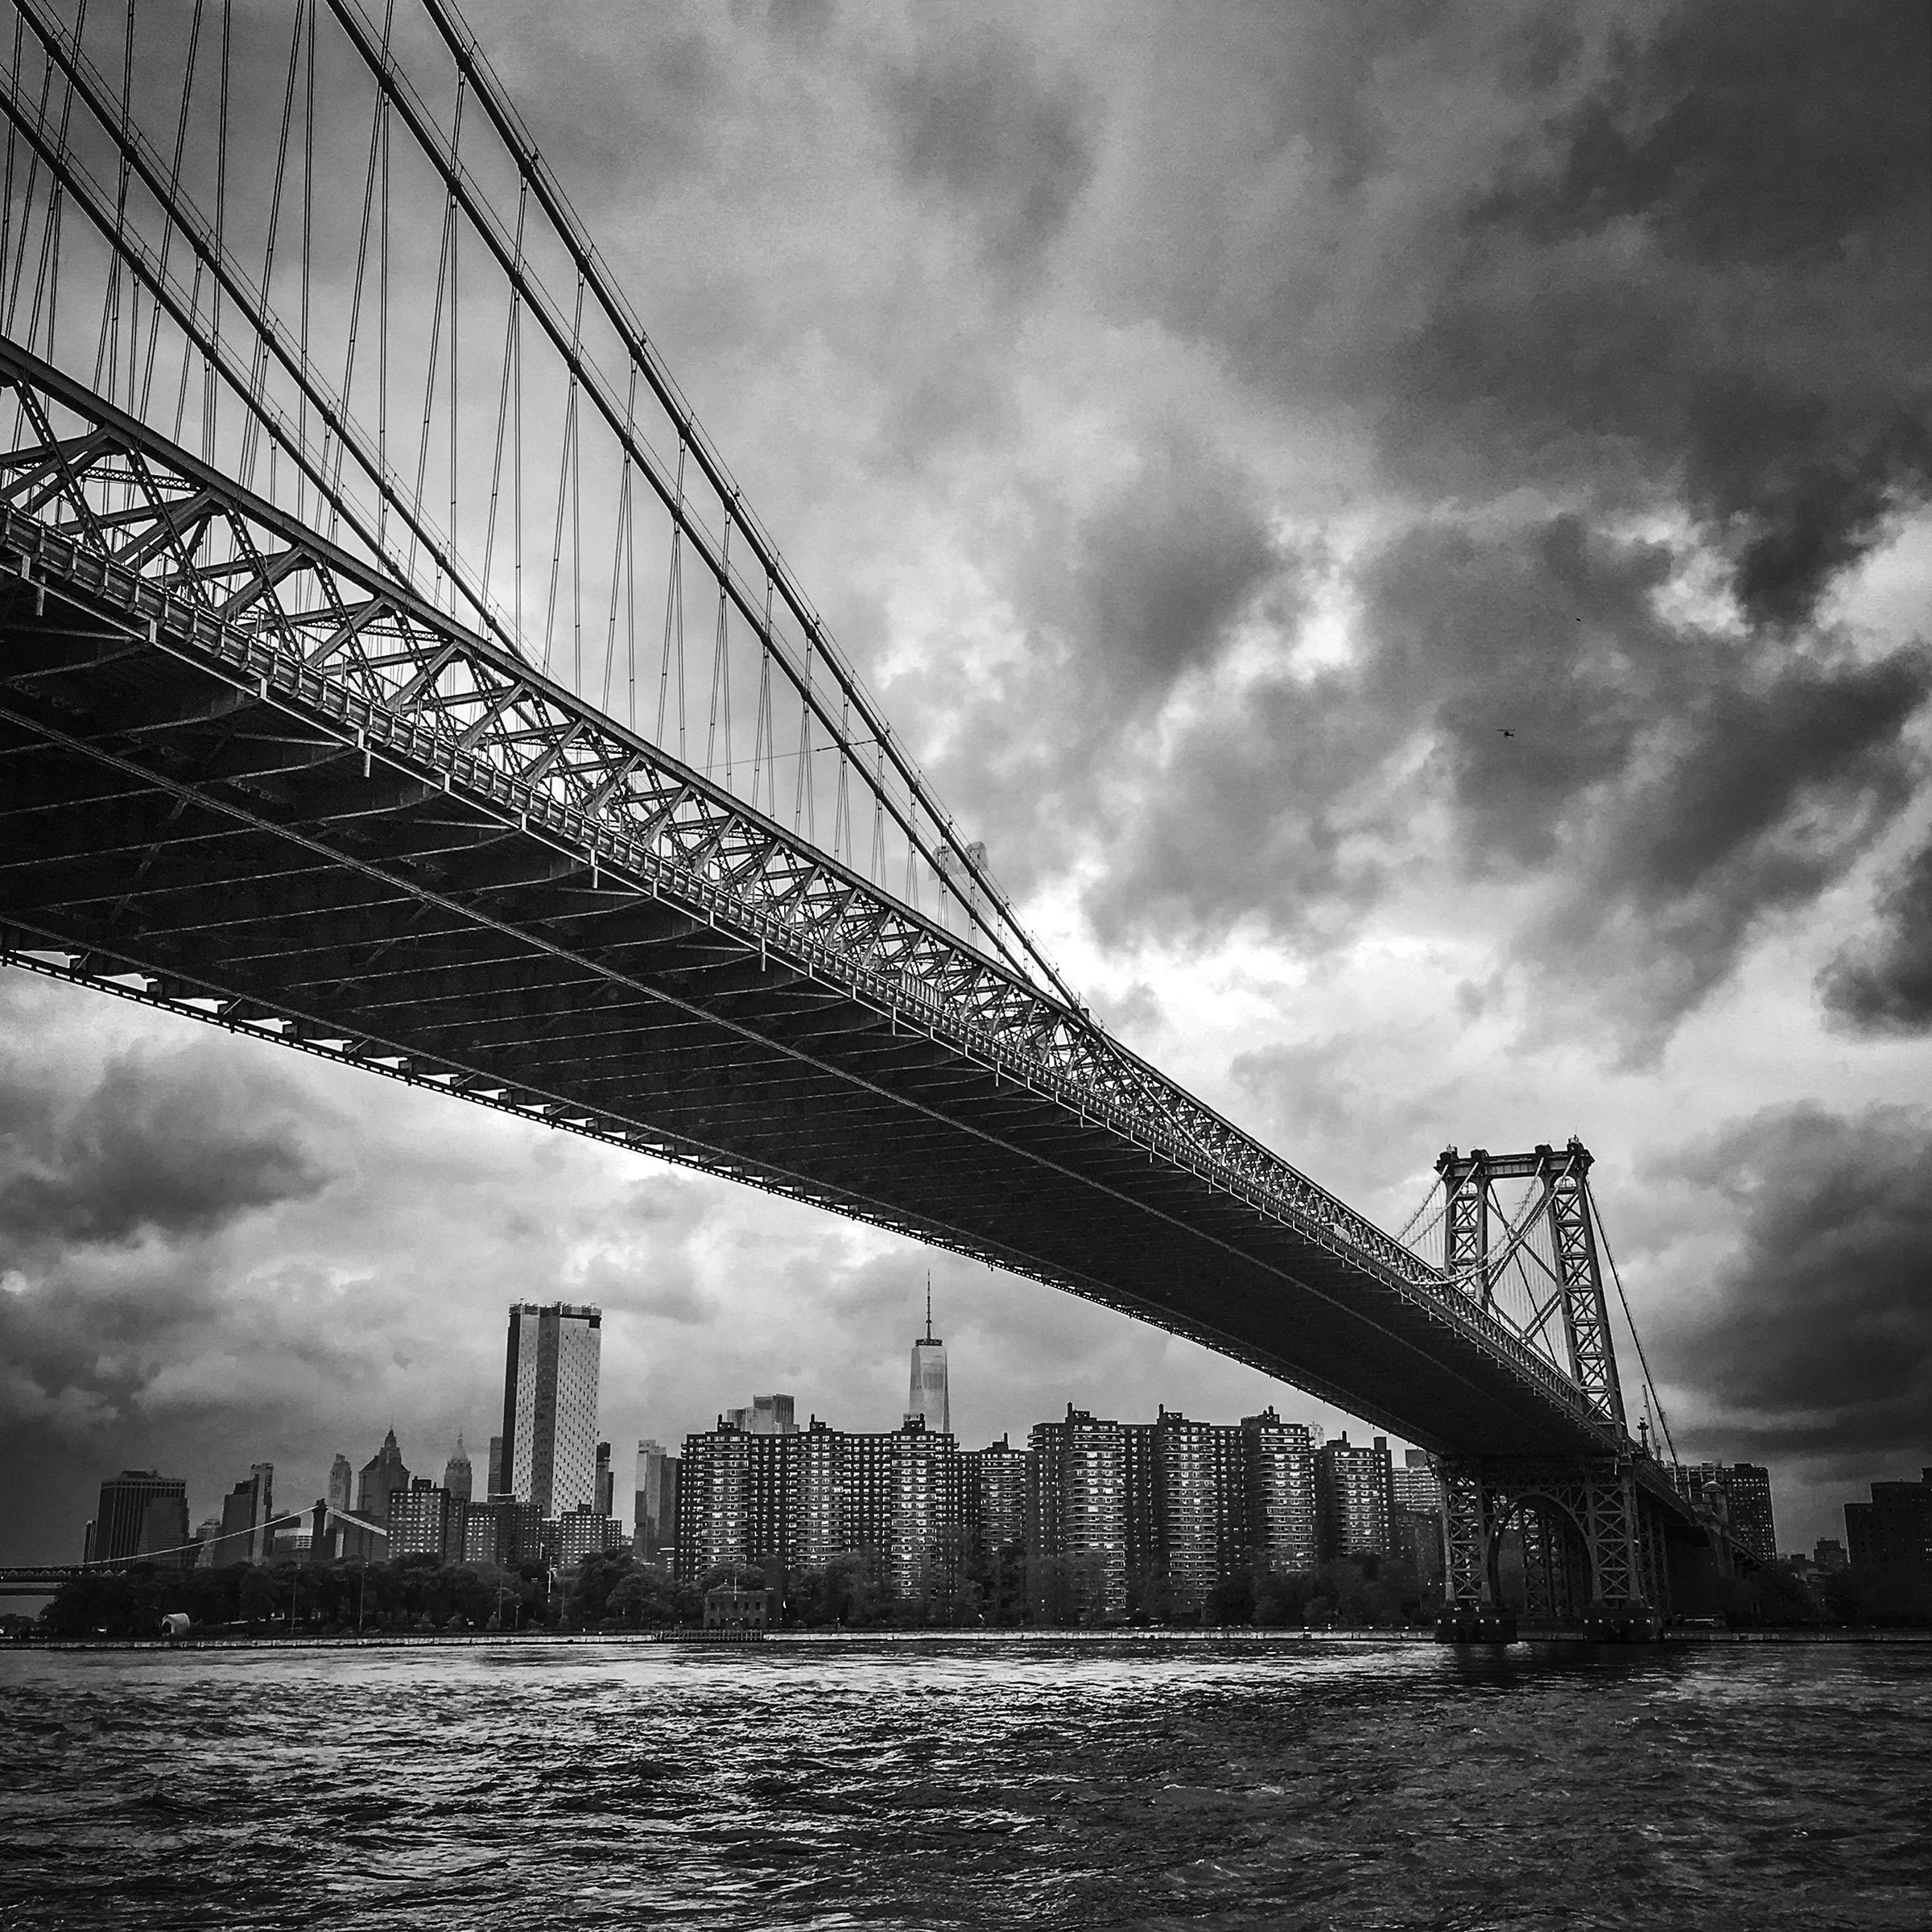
(1563,1314)
(240,342)
(1592,1533)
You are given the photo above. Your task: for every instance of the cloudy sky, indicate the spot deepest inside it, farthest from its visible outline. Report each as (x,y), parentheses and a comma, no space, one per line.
(1405,529)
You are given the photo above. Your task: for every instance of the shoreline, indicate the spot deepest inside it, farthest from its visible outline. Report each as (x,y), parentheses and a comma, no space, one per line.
(1236,1637)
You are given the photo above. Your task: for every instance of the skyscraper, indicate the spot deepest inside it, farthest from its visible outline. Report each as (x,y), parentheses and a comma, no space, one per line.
(384,1476)
(550,1405)
(246,1512)
(142,1513)
(341,1484)
(928,1397)
(607,1481)
(766,1415)
(654,1533)
(457,1478)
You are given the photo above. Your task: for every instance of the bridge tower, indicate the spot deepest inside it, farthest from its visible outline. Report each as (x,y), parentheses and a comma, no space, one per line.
(1591,1551)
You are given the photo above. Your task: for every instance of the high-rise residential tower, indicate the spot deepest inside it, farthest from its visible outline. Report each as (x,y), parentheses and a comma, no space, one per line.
(992,1483)
(1415,1485)
(1076,1518)
(1281,1527)
(928,1398)
(1354,1497)
(456,1477)
(550,1405)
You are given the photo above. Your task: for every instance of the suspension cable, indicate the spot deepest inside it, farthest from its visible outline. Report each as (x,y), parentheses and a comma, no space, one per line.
(251,421)
(167,220)
(1630,1321)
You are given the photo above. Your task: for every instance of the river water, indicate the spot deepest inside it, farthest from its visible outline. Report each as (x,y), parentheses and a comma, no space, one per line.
(925,1786)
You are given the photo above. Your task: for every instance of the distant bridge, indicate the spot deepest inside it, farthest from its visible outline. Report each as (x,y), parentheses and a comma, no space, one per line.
(284,746)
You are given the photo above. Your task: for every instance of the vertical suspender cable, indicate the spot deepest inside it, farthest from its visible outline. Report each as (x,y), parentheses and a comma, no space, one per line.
(556,540)
(48,280)
(107,350)
(33,175)
(720,669)
(496,467)
(801,814)
(674,618)
(210,402)
(6,194)
(382,124)
(251,427)
(455,236)
(577,554)
(630,599)
(168,225)
(616,566)
(308,209)
(355,303)
(445,292)
(761,729)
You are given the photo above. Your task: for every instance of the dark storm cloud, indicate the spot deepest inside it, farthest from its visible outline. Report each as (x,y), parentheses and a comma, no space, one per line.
(1885,986)
(1151,583)
(1663,261)
(1663,779)
(1252,820)
(1001,141)
(1712,266)
(1816,1337)
(1169,564)
(173,1145)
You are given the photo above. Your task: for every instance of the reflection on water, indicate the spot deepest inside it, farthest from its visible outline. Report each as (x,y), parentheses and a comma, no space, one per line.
(917,1787)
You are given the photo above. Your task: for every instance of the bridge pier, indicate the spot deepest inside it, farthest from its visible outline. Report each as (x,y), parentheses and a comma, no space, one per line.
(1592,1549)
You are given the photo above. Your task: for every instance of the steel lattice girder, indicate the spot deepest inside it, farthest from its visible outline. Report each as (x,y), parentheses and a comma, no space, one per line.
(232,750)
(1621,1510)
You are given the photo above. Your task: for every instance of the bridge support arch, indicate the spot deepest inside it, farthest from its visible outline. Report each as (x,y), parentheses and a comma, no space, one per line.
(1593,1551)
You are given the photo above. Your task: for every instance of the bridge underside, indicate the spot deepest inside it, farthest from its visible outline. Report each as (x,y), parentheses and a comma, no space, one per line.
(159,818)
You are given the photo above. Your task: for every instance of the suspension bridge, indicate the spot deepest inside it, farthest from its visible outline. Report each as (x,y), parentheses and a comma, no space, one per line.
(392,668)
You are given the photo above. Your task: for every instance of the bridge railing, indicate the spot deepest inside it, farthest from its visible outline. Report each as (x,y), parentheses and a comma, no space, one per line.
(324,634)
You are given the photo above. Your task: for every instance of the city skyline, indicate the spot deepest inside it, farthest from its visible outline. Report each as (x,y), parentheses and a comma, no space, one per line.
(540,1370)
(570,1372)
(713,1505)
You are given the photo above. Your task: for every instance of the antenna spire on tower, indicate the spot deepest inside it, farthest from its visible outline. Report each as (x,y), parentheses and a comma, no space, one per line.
(929,1304)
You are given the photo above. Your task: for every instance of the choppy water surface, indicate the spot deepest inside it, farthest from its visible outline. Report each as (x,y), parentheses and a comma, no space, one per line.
(927,1788)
